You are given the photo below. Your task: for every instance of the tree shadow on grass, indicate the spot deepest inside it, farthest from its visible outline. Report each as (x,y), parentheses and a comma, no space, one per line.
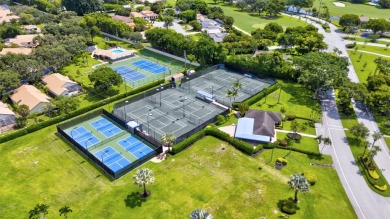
(134,200)
(315,157)
(300,96)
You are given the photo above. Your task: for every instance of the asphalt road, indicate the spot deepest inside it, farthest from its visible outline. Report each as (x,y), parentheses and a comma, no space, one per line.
(367,204)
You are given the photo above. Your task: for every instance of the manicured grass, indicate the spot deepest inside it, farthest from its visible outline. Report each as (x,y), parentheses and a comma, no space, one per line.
(305,143)
(251,21)
(387,140)
(367,59)
(295,99)
(310,129)
(359,39)
(41,168)
(358,9)
(374,49)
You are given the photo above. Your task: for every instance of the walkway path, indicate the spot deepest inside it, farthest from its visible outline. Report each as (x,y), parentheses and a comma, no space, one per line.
(239,29)
(363,51)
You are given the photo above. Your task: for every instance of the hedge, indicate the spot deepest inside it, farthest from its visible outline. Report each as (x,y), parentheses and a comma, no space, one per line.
(238,144)
(189,141)
(58,119)
(252,100)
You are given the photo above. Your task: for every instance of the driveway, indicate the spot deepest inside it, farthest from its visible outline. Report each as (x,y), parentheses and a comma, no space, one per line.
(175,26)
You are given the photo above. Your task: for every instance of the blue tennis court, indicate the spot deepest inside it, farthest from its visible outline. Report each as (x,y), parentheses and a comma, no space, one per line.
(83,137)
(135,146)
(112,159)
(129,74)
(106,127)
(150,66)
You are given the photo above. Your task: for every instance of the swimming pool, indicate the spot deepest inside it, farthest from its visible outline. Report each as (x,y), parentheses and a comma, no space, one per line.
(117,51)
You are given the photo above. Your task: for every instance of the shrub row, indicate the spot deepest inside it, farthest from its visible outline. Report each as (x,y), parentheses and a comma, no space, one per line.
(189,141)
(58,119)
(238,144)
(351,45)
(259,96)
(379,184)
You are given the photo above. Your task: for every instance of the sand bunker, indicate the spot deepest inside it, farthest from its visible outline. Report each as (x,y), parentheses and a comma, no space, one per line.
(339,4)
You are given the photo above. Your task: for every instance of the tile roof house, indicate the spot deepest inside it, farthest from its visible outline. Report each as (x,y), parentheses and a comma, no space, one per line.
(31,29)
(147,15)
(127,20)
(22,41)
(23,51)
(30,96)
(60,85)
(7,117)
(258,125)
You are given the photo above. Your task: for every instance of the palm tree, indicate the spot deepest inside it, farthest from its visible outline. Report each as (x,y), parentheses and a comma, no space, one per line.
(365,144)
(372,153)
(42,208)
(65,211)
(229,94)
(376,136)
(324,140)
(168,139)
(297,127)
(200,214)
(141,178)
(299,183)
(234,94)
(33,213)
(237,85)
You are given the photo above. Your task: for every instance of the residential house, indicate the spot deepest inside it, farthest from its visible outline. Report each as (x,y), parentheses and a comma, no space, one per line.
(124,19)
(31,29)
(60,85)
(30,96)
(7,117)
(6,15)
(147,15)
(363,20)
(23,51)
(258,126)
(23,41)
(212,27)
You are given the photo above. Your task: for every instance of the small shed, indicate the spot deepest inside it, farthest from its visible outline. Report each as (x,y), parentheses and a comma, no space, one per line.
(177,77)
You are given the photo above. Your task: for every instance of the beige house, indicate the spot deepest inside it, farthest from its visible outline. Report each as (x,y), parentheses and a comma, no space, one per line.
(23,51)
(60,85)
(7,117)
(22,41)
(31,28)
(147,15)
(30,96)
(6,15)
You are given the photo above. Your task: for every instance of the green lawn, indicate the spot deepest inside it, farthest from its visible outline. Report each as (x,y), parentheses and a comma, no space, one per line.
(306,143)
(367,59)
(41,168)
(387,140)
(374,49)
(359,39)
(295,99)
(359,9)
(251,21)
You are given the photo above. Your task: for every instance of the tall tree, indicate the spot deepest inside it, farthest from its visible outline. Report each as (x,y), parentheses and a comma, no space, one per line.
(168,21)
(360,132)
(104,79)
(8,81)
(297,127)
(349,20)
(200,214)
(376,136)
(82,6)
(321,71)
(143,177)
(299,183)
(274,7)
(64,211)
(378,25)
(168,139)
